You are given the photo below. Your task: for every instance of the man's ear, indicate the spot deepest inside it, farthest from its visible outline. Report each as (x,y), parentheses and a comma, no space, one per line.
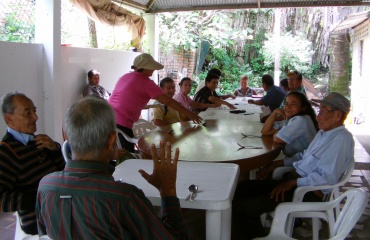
(112,140)
(8,118)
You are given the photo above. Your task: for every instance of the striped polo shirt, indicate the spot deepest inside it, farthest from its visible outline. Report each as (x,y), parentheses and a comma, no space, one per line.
(84,202)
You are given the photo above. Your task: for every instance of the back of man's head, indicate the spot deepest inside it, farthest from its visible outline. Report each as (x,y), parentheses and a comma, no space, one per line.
(89,122)
(215,71)
(268,80)
(7,103)
(210,77)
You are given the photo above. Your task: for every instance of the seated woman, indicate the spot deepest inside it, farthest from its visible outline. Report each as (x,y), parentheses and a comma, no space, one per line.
(165,115)
(208,94)
(186,101)
(244,90)
(299,127)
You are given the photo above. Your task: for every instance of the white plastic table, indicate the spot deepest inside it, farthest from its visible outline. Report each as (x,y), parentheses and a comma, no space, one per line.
(252,112)
(217,183)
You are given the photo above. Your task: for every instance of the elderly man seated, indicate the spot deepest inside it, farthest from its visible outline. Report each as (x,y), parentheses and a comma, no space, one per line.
(323,163)
(93,87)
(84,201)
(24,159)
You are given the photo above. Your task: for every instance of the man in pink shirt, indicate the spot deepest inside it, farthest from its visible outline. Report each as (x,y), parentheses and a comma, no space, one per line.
(133,92)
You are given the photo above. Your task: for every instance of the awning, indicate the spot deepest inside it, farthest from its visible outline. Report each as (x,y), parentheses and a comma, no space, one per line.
(352,20)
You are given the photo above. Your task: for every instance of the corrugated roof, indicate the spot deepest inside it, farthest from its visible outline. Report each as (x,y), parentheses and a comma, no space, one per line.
(352,20)
(192,5)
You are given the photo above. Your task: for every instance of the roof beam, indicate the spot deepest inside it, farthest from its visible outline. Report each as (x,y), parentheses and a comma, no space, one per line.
(262,5)
(131,4)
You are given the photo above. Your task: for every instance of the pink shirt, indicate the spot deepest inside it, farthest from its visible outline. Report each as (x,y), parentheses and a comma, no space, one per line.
(130,95)
(184,100)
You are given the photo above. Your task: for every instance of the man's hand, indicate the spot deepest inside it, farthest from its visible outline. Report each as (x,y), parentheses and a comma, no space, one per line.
(195,117)
(266,171)
(281,189)
(44,141)
(164,170)
(231,106)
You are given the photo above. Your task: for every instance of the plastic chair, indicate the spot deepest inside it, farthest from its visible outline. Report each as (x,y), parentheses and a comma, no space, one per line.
(140,129)
(21,235)
(355,203)
(301,191)
(128,138)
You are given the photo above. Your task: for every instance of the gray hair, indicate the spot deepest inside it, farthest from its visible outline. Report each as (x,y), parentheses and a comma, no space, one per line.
(88,125)
(7,105)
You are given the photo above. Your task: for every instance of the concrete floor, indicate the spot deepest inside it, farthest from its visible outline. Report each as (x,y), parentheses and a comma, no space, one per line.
(360,179)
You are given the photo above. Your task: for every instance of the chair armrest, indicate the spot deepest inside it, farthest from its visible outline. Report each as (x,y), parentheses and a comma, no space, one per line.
(301,191)
(278,173)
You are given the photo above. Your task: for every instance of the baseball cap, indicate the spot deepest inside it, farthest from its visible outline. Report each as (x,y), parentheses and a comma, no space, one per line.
(146,61)
(336,100)
(295,73)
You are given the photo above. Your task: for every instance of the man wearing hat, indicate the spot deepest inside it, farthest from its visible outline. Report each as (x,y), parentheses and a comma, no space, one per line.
(294,84)
(133,92)
(322,163)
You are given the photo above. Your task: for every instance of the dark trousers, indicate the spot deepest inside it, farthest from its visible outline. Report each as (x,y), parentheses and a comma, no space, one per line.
(129,146)
(251,199)
(30,229)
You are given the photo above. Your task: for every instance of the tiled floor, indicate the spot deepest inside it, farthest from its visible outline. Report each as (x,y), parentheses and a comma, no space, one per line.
(360,178)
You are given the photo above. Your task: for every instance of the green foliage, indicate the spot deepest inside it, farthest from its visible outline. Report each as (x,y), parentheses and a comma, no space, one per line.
(185,29)
(16,30)
(295,53)
(253,53)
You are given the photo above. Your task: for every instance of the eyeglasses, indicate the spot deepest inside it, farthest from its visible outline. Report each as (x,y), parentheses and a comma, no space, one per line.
(323,112)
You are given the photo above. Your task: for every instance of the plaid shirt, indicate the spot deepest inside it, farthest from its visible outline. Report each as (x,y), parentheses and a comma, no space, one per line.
(84,202)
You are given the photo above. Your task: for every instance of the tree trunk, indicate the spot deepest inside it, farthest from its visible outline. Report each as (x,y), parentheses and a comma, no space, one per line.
(92,33)
(340,60)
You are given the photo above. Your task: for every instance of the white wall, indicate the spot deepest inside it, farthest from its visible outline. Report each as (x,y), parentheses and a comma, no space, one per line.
(76,62)
(22,69)
(360,85)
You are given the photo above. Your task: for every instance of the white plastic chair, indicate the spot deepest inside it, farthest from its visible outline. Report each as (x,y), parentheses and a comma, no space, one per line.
(128,138)
(301,191)
(21,235)
(355,203)
(140,129)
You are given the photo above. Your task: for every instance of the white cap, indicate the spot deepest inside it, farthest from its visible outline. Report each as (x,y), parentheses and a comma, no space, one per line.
(146,61)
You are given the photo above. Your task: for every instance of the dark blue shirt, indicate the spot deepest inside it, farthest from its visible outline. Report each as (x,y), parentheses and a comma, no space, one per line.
(273,98)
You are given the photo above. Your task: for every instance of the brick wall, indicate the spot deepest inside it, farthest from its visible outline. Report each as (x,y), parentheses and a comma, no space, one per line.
(175,62)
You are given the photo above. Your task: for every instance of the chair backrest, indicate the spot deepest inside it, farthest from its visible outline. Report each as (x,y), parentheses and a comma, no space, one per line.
(140,121)
(66,151)
(127,137)
(355,203)
(141,128)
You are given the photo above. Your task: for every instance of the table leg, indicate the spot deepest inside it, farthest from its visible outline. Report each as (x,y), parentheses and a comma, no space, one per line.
(213,225)
(226,224)
(253,174)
